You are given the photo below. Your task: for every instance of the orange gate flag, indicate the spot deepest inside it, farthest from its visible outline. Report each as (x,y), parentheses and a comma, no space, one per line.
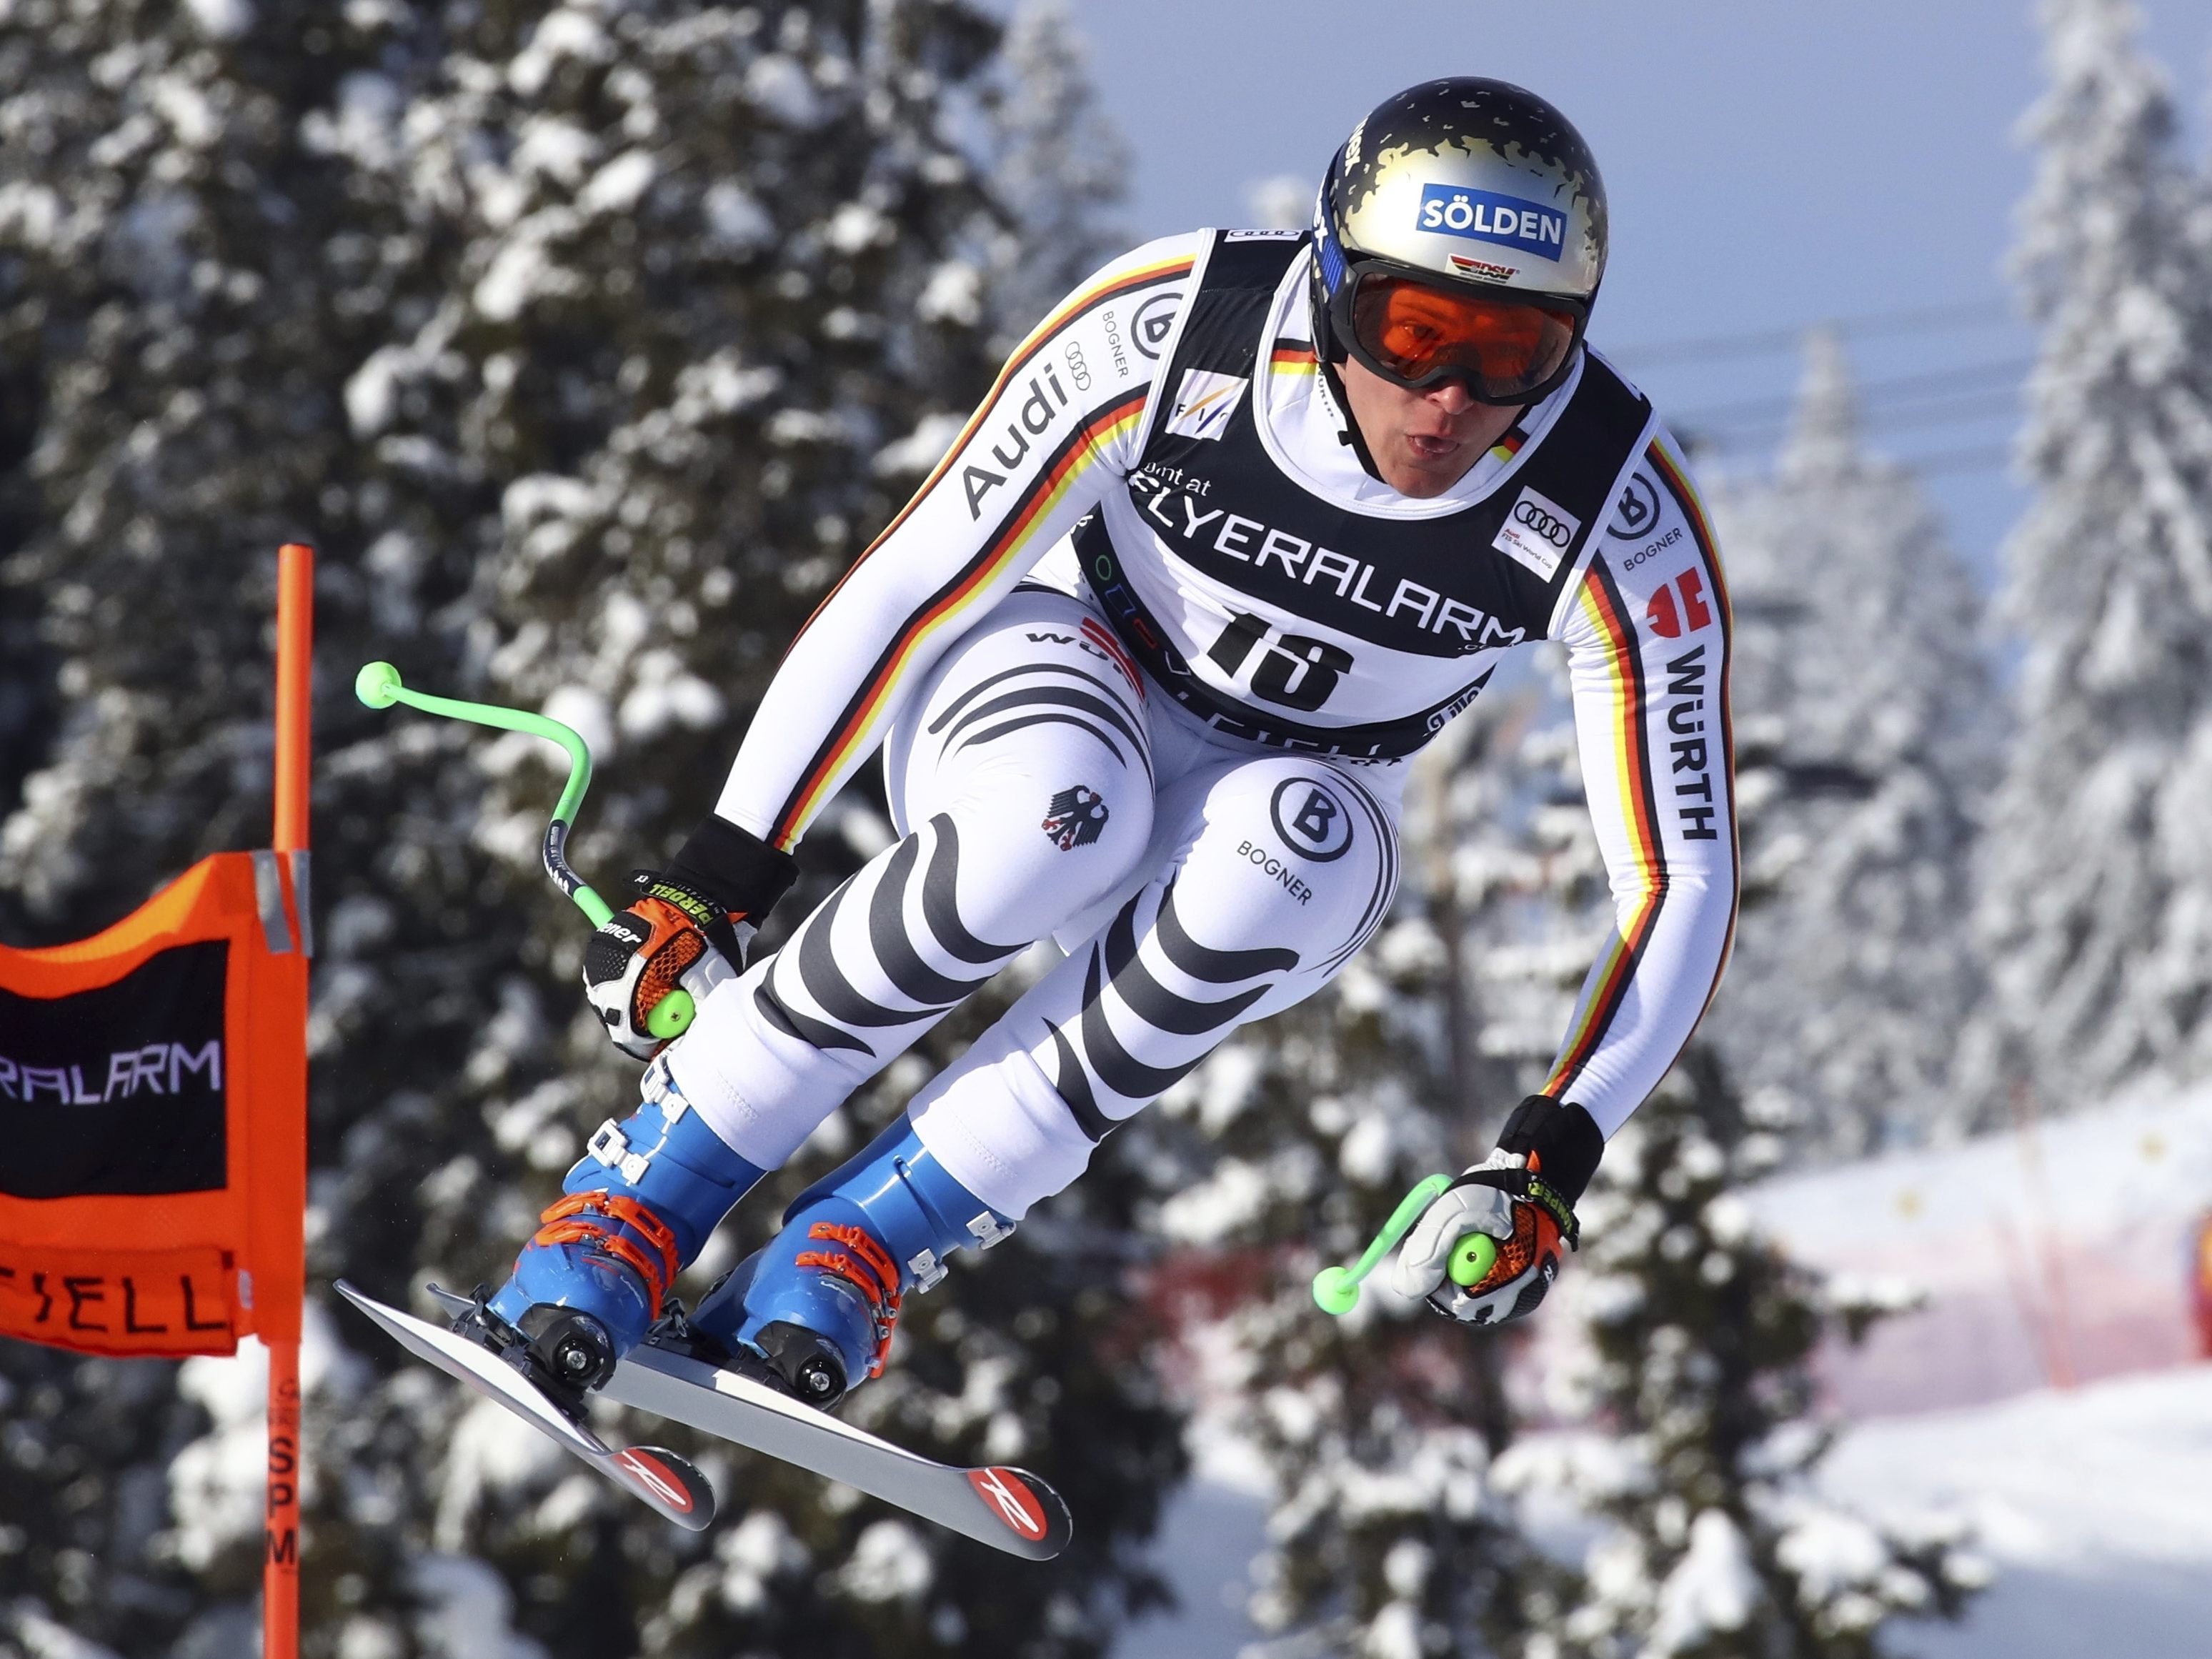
(153,1179)
(154,1118)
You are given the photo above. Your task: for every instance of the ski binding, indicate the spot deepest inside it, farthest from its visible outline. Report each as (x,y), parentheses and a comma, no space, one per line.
(662,1479)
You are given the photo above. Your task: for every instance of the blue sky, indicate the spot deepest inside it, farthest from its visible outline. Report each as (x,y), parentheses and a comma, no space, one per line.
(1769,165)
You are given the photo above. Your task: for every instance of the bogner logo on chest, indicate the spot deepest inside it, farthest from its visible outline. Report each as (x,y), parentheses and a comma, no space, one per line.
(1317,583)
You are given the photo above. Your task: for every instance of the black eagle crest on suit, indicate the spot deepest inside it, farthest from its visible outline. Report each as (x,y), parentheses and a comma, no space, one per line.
(1076,817)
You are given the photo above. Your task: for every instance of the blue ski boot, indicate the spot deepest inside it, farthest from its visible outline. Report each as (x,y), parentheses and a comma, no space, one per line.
(819,1301)
(636,1209)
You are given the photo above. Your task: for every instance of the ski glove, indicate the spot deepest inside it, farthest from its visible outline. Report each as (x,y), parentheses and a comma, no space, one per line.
(1523,1196)
(688,929)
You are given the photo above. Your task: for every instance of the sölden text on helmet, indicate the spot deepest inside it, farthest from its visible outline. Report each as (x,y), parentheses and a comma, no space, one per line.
(1469,186)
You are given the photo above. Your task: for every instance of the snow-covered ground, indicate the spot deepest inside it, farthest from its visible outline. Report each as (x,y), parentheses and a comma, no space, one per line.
(2060,1251)
(2094,1504)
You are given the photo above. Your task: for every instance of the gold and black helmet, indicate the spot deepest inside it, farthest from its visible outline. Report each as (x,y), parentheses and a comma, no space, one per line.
(1461,232)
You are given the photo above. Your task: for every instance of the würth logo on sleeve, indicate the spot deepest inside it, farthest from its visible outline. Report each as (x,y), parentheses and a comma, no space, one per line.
(1671,621)
(1075,818)
(1537,533)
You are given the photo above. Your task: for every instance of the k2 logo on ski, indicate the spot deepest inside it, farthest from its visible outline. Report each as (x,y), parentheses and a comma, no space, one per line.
(1204,403)
(1537,532)
(1485,217)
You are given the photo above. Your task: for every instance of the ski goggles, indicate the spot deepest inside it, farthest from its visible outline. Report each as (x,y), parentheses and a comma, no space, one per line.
(1419,334)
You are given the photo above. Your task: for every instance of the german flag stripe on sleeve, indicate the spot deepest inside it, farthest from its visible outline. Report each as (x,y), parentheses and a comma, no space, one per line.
(1678,485)
(856,730)
(1636,795)
(1077,304)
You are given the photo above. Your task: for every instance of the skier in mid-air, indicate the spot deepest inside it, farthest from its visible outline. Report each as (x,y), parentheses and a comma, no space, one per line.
(1247,518)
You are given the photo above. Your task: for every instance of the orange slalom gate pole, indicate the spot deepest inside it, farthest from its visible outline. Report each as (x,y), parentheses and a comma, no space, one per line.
(296,626)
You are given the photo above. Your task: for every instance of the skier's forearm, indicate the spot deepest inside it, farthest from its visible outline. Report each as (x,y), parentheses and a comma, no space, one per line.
(1649,642)
(1054,433)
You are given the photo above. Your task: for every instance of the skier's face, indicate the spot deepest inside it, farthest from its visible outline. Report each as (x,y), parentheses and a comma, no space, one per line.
(1423,442)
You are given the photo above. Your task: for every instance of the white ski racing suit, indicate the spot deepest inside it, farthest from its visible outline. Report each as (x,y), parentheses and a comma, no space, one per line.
(1146,654)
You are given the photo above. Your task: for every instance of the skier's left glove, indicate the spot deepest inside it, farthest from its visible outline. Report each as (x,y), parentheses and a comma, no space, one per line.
(1523,1195)
(688,929)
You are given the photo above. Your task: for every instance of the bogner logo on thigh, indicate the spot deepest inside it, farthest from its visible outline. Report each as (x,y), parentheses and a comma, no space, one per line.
(1312,819)
(1262,858)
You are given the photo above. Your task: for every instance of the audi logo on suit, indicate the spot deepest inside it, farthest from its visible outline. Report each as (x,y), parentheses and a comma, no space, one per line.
(1543,524)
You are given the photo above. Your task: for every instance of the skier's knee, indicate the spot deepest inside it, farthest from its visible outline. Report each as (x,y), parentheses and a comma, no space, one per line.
(1043,847)
(1293,851)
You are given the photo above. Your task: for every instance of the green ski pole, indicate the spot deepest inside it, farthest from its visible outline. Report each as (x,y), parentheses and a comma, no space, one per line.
(1336,1290)
(379,685)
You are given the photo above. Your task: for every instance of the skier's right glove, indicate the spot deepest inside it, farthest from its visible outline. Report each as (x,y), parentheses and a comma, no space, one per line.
(1523,1196)
(687,929)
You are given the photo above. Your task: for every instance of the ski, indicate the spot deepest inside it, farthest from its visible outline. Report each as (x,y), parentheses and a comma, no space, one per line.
(661,1478)
(1008,1508)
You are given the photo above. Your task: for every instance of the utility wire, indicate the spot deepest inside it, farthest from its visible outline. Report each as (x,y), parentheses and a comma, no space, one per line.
(1931,385)
(1962,409)
(1961,314)
(1989,458)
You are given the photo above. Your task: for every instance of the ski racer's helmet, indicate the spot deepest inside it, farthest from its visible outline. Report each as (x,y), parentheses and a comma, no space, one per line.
(1460,233)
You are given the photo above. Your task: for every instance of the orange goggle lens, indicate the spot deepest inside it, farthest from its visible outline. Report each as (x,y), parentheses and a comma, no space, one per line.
(1414,331)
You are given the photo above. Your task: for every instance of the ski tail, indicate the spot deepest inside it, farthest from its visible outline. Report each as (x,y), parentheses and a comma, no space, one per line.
(1008,1508)
(663,1480)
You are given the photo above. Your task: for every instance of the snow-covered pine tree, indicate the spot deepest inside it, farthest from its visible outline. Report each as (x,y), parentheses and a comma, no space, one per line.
(1059,168)
(704,281)
(2097,909)
(433,287)
(1866,745)
(25,672)
(1714,1541)
(1290,1146)
(172,332)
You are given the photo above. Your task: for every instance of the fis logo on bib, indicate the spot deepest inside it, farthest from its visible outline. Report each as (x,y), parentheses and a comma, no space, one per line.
(1537,533)
(1204,404)
(1450,210)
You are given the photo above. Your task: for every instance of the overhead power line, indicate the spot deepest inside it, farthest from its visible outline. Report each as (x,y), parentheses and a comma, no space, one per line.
(1989,457)
(1932,386)
(1921,319)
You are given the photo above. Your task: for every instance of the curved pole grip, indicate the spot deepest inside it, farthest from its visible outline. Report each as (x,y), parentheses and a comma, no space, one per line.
(1336,1290)
(379,685)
